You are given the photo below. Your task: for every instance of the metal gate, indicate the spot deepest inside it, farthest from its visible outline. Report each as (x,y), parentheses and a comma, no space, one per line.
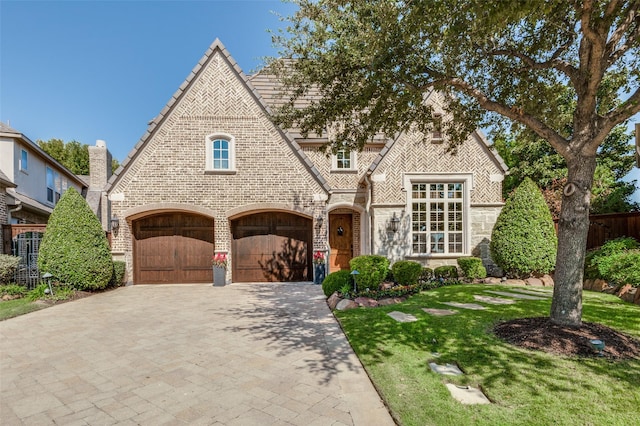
(26,246)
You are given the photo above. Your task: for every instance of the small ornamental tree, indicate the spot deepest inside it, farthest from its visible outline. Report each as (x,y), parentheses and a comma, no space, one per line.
(74,248)
(523,241)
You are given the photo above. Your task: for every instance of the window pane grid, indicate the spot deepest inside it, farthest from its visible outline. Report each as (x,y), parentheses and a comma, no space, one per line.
(437,218)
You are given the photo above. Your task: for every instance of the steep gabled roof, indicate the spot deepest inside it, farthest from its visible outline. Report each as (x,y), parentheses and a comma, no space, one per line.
(216,46)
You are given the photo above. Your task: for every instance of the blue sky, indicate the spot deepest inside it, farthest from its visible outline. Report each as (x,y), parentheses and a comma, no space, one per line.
(87,70)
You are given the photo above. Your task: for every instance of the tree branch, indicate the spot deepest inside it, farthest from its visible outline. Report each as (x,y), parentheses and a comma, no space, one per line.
(628,108)
(613,51)
(553,62)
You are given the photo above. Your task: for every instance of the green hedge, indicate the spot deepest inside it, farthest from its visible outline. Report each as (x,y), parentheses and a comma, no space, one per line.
(8,265)
(74,248)
(625,268)
(335,281)
(372,270)
(406,272)
(523,241)
(119,269)
(472,267)
(446,272)
(598,263)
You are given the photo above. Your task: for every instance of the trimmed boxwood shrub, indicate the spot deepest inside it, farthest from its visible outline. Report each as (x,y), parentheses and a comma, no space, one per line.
(74,248)
(406,272)
(523,241)
(425,275)
(472,267)
(335,281)
(119,269)
(8,265)
(372,270)
(599,263)
(446,272)
(625,268)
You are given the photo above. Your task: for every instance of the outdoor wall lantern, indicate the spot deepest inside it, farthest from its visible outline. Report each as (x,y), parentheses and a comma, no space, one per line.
(393,225)
(115,223)
(319,221)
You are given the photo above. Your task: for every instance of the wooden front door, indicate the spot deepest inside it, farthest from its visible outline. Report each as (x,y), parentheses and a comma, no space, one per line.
(173,248)
(271,246)
(340,241)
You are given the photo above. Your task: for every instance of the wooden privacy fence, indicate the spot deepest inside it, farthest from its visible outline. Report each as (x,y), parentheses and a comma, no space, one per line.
(605,227)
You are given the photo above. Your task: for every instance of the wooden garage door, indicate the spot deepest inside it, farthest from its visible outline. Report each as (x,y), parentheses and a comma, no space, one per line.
(272,246)
(173,248)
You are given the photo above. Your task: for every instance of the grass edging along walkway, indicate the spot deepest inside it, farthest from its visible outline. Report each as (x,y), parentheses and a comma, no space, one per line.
(525,387)
(17,307)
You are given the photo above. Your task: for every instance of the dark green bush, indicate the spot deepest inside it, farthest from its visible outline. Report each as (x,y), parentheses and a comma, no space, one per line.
(74,248)
(8,265)
(119,269)
(599,263)
(406,272)
(446,272)
(472,267)
(372,270)
(335,281)
(523,241)
(625,268)
(425,275)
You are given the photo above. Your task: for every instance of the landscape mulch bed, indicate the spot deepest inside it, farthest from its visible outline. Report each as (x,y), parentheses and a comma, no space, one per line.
(539,333)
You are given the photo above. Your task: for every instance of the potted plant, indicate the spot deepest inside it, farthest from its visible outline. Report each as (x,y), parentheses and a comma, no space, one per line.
(219,269)
(319,267)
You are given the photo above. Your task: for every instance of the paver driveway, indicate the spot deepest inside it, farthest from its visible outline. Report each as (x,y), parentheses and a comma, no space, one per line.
(244,354)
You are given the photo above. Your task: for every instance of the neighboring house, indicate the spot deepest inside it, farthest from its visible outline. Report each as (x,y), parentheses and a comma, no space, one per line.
(213,173)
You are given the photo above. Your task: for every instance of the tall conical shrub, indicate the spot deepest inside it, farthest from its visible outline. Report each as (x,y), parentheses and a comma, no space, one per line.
(523,241)
(75,249)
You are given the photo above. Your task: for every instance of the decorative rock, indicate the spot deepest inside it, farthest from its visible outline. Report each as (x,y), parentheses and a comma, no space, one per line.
(492,280)
(637,299)
(366,302)
(513,282)
(467,395)
(624,290)
(599,285)
(493,300)
(386,285)
(333,300)
(611,289)
(630,295)
(547,280)
(587,284)
(534,282)
(390,301)
(346,304)
(402,317)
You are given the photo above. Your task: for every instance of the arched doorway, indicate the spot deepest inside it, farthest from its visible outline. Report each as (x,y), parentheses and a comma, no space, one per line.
(271,246)
(173,248)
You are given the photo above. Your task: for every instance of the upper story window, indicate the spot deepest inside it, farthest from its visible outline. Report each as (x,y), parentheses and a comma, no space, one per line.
(54,186)
(343,160)
(436,134)
(220,153)
(24,160)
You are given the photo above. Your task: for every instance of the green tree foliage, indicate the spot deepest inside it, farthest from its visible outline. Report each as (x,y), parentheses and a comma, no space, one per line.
(372,270)
(74,248)
(73,155)
(368,65)
(523,241)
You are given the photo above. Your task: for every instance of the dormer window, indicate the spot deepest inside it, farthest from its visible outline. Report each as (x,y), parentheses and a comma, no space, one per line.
(220,153)
(343,160)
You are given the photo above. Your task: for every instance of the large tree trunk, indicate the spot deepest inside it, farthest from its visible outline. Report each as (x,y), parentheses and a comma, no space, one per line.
(573,229)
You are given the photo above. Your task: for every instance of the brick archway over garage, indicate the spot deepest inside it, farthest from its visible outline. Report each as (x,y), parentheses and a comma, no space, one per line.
(173,247)
(272,246)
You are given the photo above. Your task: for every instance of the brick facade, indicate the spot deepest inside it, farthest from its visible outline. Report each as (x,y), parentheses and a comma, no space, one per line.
(167,171)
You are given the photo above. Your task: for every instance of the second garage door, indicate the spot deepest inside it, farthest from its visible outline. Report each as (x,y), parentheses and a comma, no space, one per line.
(272,246)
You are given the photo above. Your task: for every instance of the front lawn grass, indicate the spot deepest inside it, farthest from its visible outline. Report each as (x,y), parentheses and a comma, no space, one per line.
(525,387)
(14,308)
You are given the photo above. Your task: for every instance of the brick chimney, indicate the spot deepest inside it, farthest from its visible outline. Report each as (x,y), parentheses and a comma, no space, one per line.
(99,174)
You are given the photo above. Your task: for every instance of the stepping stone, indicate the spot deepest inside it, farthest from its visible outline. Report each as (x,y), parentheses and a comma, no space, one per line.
(439,312)
(540,293)
(517,295)
(493,300)
(467,395)
(402,317)
(447,370)
(473,306)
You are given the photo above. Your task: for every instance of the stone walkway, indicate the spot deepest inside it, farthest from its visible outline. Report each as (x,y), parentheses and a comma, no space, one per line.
(244,354)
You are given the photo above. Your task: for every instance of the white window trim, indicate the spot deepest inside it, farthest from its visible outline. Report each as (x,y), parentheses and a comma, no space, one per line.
(209,153)
(352,159)
(467,180)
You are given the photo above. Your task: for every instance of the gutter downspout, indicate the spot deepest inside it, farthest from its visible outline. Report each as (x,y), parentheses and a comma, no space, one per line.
(16,209)
(367,210)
